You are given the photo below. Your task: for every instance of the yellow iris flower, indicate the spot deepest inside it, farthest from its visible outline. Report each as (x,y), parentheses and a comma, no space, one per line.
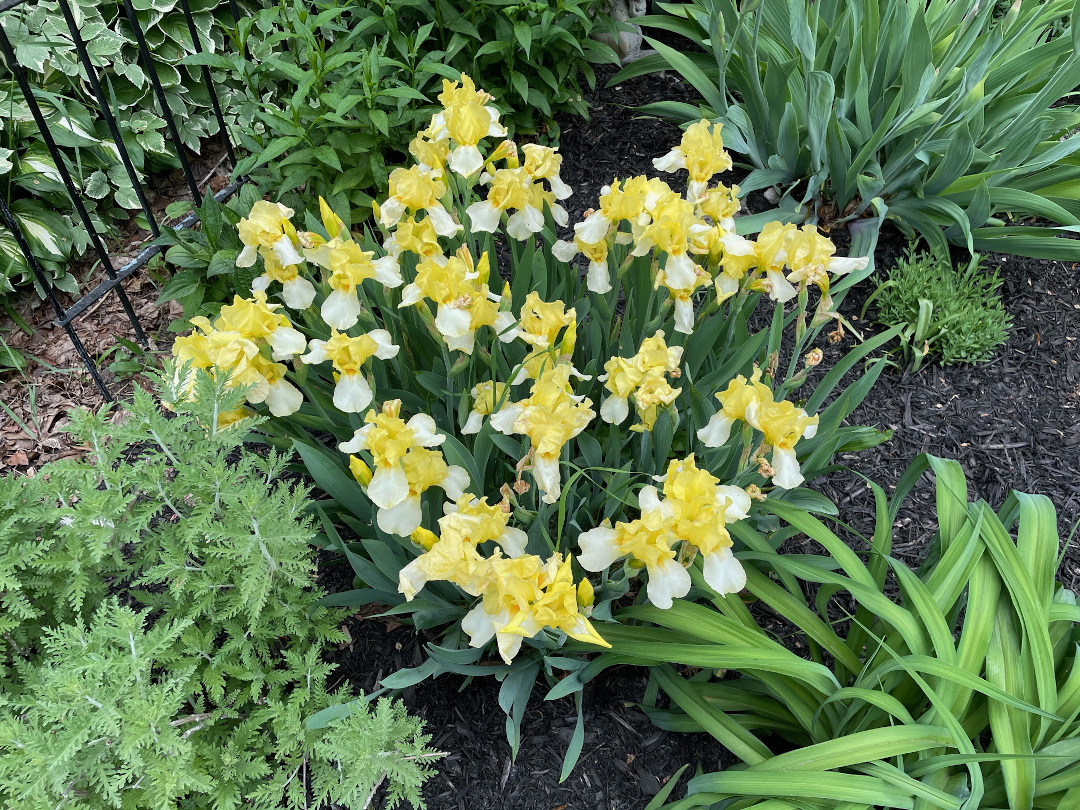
(404,467)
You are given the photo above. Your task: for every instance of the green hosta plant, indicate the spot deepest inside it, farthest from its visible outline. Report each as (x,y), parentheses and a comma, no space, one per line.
(30,179)
(947,118)
(200,680)
(962,691)
(492,448)
(953,314)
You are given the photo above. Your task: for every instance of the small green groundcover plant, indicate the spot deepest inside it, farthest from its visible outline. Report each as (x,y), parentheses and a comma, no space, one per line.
(950,119)
(953,315)
(962,691)
(511,458)
(161,637)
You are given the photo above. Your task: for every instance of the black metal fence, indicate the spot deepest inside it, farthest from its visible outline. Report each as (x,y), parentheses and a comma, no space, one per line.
(67,317)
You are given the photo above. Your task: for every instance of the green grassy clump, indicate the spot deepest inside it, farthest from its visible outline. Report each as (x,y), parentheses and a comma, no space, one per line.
(954,315)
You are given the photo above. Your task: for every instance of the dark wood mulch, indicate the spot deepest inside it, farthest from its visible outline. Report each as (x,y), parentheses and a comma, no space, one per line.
(1012,423)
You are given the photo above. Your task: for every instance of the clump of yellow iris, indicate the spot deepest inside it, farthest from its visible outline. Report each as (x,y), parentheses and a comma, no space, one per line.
(245,340)
(695,259)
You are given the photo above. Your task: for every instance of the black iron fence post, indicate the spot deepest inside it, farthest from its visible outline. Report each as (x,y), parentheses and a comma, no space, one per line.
(66,317)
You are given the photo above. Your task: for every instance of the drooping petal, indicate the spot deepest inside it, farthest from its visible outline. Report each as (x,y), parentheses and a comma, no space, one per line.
(387,349)
(506,326)
(786,466)
(473,423)
(598,278)
(723,572)
(667,580)
(466,160)
(598,548)
(672,161)
(782,290)
(412,578)
(593,228)
(441,221)
(341,310)
(389,486)
(564,251)
(316,353)
(358,442)
(548,478)
(452,321)
(286,342)
(504,419)
(479,626)
(614,410)
(684,316)
(456,482)
(387,271)
(465,343)
(425,431)
(286,252)
(390,212)
(401,519)
(283,398)
(560,189)
(513,542)
(352,393)
(247,256)
(484,216)
(680,272)
(297,293)
(716,431)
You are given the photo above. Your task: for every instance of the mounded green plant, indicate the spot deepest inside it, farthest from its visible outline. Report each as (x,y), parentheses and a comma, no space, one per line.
(161,634)
(338,91)
(955,315)
(962,691)
(947,120)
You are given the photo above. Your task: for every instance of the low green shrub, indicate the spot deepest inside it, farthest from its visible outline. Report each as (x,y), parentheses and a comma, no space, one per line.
(161,635)
(961,691)
(338,91)
(954,315)
(942,117)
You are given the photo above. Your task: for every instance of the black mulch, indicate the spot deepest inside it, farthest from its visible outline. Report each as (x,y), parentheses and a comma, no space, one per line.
(1012,423)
